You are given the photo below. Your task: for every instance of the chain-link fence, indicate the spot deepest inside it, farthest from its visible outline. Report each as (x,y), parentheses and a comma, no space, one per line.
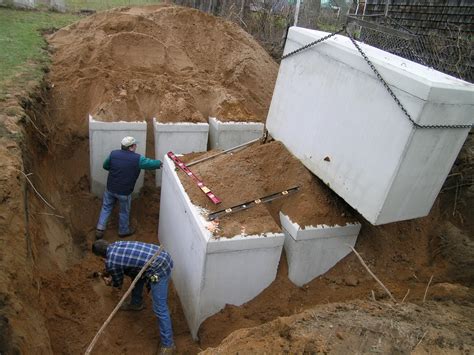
(268,20)
(452,54)
(449,51)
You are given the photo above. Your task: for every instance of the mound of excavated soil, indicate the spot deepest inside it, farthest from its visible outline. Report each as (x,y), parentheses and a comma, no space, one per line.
(255,172)
(360,327)
(173,63)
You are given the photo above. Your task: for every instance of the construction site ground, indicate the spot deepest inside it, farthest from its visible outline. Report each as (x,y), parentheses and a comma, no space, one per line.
(51,303)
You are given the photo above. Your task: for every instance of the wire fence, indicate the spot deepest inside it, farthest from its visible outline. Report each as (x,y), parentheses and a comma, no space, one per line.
(452,54)
(268,20)
(448,49)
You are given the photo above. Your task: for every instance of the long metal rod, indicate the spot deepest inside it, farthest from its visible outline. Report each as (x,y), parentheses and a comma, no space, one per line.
(250,204)
(224,151)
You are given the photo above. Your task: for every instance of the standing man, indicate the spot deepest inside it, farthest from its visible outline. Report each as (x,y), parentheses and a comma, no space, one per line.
(124,166)
(128,258)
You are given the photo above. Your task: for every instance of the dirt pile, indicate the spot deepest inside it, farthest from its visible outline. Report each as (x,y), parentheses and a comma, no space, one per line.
(48,301)
(360,327)
(173,63)
(257,171)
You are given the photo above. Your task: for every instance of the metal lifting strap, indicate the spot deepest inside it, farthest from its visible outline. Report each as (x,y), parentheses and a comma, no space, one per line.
(379,76)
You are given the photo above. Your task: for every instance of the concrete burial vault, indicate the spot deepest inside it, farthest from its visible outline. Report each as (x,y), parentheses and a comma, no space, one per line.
(105,137)
(313,250)
(180,138)
(211,272)
(225,135)
(334,114)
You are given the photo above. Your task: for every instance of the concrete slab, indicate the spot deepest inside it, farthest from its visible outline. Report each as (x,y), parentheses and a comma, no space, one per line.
(180,138)
(105,137)
(312,251)
(334,114)
(225,135)
(210,273)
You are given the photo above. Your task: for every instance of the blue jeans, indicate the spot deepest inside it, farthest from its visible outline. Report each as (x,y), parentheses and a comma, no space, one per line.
(159,295)
(108,203)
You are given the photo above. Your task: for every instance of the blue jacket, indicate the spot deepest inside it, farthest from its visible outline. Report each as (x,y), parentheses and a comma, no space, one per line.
(124,168)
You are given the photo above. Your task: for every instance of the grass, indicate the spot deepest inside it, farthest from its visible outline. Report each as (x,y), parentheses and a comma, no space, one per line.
(23,55)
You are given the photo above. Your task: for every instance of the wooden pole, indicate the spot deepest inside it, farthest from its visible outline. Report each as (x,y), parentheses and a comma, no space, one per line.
(98,334)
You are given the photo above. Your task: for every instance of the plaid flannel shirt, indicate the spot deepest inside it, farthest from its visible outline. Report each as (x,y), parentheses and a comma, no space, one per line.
(127,258)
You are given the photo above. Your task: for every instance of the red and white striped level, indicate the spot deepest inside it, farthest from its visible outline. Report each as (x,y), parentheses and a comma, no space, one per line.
(179,163)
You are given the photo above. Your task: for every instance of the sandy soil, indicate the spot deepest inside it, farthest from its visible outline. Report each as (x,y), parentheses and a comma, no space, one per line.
(49,303)
(257,171)
(360,327)
(176,64)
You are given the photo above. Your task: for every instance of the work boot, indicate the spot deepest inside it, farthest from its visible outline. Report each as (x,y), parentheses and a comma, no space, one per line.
(131,231)
(99,234)
(131,307)
(167,350)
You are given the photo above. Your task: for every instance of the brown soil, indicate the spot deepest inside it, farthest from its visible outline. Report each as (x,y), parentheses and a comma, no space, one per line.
(176,64)
(360,327)
(49,303)
(257,171)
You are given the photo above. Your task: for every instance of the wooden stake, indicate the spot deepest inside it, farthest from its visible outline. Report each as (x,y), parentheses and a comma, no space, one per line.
(148,263)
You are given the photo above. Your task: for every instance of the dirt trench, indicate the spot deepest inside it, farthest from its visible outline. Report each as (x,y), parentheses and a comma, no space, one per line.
(66,305)
(49,301)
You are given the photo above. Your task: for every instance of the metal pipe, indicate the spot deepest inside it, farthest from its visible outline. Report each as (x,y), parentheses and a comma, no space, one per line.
(223,152)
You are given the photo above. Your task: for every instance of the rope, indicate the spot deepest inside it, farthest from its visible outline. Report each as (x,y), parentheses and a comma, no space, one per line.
(96,337)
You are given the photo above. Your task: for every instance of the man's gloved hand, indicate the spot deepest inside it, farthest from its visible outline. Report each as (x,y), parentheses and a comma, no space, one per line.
(107,280)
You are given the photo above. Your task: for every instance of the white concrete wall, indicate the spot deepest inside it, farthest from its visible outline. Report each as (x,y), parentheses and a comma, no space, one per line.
(180,138)
(210,273)
(105,137)
(225,135)
(328,103)
(312,251)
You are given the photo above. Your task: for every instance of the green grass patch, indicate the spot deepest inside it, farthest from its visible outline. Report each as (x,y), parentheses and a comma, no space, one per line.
(23,55)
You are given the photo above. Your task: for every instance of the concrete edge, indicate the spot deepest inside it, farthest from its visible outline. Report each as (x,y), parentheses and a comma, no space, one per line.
(250,242)
(235,126)
(105,126)
(318,232)
(197,218)
(221,245)
(302,36)
(180,126)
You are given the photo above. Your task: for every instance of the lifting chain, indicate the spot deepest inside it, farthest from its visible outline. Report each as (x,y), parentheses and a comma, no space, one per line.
(379,76)
(312,44)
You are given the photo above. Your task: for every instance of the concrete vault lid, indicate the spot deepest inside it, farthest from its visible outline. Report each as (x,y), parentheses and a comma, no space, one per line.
(418,80)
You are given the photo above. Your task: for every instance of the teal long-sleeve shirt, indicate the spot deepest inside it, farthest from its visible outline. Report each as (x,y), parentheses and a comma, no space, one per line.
(144,163)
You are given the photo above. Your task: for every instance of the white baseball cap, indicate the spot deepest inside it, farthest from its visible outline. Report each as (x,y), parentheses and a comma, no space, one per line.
(128,141)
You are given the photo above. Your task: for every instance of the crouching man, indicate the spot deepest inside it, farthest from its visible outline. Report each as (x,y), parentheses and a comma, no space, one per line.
(128,258)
